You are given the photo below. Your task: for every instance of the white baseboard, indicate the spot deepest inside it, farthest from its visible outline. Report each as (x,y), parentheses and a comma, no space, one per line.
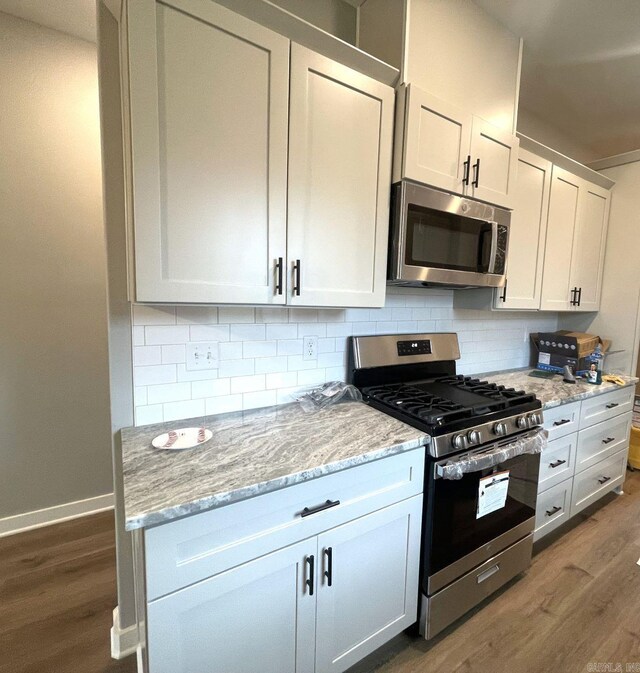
(45,517)
(124,642)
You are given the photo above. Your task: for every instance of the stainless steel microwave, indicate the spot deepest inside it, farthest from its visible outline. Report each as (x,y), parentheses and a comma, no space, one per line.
(438,238)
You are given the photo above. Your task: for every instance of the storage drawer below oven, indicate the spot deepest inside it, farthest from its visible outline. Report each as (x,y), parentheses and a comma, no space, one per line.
(443,608)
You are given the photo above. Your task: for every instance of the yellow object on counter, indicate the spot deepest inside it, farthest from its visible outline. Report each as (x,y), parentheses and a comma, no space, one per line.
(634,449)
(612,378)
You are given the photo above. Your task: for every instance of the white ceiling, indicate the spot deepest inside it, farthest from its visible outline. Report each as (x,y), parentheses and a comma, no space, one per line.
(74,17)
(581,66)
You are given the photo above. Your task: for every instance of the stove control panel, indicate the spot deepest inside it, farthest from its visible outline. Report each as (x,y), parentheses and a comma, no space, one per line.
(418,347)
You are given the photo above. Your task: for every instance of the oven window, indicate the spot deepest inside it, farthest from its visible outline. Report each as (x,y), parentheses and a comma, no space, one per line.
(457,532)
(447,241)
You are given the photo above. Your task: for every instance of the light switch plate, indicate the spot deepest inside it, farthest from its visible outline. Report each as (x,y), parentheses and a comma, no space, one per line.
(202,355)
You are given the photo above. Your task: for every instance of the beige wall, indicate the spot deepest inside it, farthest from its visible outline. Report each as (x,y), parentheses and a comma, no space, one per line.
(531,125)
(54,440)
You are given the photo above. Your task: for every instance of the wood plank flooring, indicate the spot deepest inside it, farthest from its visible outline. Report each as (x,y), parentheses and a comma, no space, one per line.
(57,593)
(579,604)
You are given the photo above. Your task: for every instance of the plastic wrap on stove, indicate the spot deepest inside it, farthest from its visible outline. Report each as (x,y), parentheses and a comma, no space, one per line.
(530,443)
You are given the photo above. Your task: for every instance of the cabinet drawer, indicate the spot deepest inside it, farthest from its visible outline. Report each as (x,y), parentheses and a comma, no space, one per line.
(602,407)
(594,482)
(562,420)
(182,552)
(553,508)
(602,440)
(557,461)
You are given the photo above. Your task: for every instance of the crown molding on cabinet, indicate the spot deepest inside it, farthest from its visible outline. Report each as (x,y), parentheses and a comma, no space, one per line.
(615,160)
(568,164)
(310,36)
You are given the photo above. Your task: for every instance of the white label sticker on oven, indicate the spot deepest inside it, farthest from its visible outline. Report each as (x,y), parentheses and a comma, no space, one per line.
(492,493)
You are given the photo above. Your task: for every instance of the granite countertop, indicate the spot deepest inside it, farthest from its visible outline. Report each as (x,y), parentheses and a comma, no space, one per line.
(554,392)
(251,452)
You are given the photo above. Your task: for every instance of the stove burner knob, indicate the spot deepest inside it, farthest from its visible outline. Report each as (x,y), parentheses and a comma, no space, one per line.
(536,418)
(458,441)
(521,422)
(474,437)
(500,429)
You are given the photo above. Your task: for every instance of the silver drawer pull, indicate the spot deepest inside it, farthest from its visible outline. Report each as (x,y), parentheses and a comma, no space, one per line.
(553,510)
(608,440)
(488,573)
(557,463)
(564,421)
(613,405)
(604,480)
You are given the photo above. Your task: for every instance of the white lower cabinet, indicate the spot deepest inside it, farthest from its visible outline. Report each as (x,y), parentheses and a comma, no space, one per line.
(304,593)
(577,469)
(255,618)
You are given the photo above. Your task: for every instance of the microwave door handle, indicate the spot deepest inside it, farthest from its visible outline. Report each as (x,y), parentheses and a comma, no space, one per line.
(494,247)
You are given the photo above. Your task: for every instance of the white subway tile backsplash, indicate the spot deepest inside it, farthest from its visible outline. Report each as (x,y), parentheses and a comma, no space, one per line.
(174,354)
(149,414)
(248,384)
(260,350)
(290,347)
(230,350)
(247,332)
(234,314)
(174,411)
(147,355)
(210,388)
(235,368)
(197,315)
(160,335)
(282,331)
(269,365)
(209,332)
(154,315)
(154,374)
(264,398)
(168,392)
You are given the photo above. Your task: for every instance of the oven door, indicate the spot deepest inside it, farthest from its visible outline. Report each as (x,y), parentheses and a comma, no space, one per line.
(440,238)
(471,519)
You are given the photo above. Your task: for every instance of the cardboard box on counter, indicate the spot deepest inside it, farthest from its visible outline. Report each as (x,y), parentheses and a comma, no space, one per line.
(551,351)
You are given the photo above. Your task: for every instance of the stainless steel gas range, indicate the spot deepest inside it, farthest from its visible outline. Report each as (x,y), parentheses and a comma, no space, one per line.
(481,472)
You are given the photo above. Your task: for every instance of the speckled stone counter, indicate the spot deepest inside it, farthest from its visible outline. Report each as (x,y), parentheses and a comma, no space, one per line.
(251,452)
(553,392)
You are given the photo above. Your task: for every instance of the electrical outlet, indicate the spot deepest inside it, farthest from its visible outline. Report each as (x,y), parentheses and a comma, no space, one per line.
(202,355)
(310,348)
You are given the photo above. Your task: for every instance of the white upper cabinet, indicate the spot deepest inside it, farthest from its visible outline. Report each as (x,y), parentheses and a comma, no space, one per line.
(208,96)
(436,142)
(443,146)
(561,224)
(494,153)
(527,234)
(214,139)
(589,243)
(340,136)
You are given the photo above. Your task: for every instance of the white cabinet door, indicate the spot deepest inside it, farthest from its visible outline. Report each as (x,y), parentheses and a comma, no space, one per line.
(494,164)
(373,564)
(208,97)
(563,214)
(527,234)
(258,617)
(589,242)
(436,143)
(340,138)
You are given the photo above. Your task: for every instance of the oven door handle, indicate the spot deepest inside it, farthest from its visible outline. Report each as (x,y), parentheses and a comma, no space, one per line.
(531,442)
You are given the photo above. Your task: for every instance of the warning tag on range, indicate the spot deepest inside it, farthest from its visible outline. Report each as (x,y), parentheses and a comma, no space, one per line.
(492,493)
